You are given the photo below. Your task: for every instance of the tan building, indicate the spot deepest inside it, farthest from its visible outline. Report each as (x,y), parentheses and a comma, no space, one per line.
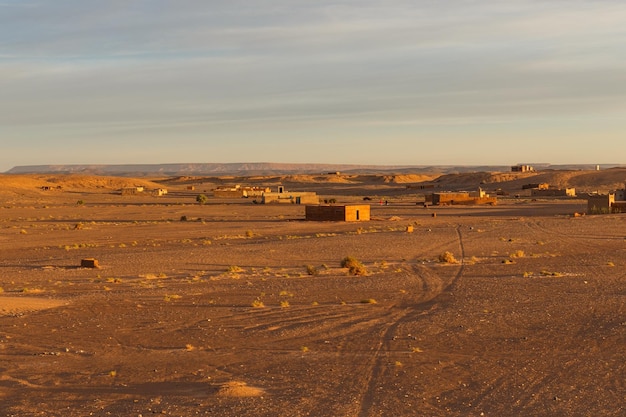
(345,213)
(289,197)
(600,203)
(522,168)
(462,197)
(131,190)
(613,202)
(238,192)
(553,192)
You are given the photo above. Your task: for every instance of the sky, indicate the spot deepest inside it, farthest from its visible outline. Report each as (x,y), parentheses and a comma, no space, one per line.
(386,82)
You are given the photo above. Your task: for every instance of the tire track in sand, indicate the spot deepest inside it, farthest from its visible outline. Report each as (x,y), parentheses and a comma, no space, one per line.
(435,288)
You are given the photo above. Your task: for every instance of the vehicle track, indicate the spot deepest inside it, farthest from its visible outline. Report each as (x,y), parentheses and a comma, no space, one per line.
(407,314)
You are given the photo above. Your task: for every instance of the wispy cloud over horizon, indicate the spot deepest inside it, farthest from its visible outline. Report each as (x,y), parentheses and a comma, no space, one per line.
(274,73)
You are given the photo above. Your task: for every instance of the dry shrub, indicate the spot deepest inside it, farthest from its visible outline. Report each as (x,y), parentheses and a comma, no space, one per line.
(447,257)
(311,270)
(355,267)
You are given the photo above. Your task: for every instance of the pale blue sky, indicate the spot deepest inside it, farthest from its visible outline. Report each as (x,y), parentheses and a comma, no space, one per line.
(394,82)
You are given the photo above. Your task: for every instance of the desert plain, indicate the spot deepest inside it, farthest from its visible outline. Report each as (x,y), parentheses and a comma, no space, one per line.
(231,308)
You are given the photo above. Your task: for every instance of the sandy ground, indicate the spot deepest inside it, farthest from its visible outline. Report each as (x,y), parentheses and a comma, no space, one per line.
(245,309)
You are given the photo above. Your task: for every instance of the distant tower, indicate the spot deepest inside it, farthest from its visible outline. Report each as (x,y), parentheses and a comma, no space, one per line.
(597,167)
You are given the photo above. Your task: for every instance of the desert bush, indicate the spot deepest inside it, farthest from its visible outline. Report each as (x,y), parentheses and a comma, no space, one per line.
(368,301)
(311,270)
(447,257)
(518,254)
(355,267)
(183,218)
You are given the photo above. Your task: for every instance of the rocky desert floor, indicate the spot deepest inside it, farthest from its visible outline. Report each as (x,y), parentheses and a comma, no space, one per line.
(245,310)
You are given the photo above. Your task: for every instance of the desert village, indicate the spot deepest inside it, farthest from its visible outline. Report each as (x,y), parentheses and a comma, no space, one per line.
(597,203)
(611,202)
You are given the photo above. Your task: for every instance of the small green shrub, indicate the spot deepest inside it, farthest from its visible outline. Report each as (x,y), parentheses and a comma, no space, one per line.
(201,198)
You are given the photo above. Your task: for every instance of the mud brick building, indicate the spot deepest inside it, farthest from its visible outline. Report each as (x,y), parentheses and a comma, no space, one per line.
(346,213)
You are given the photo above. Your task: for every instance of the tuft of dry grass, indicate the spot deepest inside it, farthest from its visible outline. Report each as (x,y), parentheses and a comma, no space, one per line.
(551,274)
(258,303)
